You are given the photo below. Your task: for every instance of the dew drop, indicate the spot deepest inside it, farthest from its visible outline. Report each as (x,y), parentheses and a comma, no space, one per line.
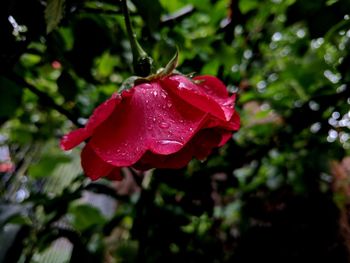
(163,95)
(155,93)
(164,125)
(109,161)
(191,129)
(170,142)
(183,86)
(169,104)
(154,119)
(149,127)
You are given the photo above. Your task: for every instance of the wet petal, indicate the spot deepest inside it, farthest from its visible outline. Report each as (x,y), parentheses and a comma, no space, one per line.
(232,125)
(212,99)
(115,175)
(73,139)
(200,147)
(100,114)
(218,91)
(148,119)
(189,92)
(213,86)
(94,167)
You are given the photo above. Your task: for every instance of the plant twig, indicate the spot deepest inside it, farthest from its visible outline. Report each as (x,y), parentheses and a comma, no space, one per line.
(141,61)
(182,13)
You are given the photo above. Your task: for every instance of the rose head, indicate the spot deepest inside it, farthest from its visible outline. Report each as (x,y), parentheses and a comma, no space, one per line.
(163,123)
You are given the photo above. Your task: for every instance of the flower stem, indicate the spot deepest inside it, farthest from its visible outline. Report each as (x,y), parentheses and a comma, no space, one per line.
(142,63)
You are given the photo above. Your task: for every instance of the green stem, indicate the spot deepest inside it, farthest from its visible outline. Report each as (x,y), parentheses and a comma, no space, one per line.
(141,61)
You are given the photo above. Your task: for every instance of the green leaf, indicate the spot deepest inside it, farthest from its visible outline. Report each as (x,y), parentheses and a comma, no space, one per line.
(53,14)
(106,64)
(85,216)
(47,165)
(247,5)
(10,98)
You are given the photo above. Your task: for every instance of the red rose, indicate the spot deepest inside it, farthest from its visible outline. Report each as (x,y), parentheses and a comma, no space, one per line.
(160,124)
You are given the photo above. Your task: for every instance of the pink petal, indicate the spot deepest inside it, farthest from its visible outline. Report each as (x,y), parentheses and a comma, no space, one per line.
(218,91)
(232,125)
(173,161)
(188,91)
(148,119)
(100,114)
(200,147)
(212,85)
(73,139)
(93,166)
(115,175)
(212,99)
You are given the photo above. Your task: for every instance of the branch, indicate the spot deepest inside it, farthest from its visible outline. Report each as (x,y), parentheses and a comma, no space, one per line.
(167,20)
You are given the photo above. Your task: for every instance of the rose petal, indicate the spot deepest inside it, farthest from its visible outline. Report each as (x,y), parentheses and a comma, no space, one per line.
(115,175)
(211,99)
(148,119)
(232,125)
(172,161)
(94,167)
(218,91)
(213,86)
(200,147)
(73,138)
(188,91)
(100,114)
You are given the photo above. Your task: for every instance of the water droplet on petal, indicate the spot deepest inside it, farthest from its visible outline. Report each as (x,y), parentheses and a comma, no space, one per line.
(155,93)
(169,104)
(154,119)
(182,86)
(109,161)
(164,125)
(170,142)
(181,121)
(149,127)
(191,129)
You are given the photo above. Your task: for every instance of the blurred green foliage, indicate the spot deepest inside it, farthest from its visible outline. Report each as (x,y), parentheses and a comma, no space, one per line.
(277,192)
